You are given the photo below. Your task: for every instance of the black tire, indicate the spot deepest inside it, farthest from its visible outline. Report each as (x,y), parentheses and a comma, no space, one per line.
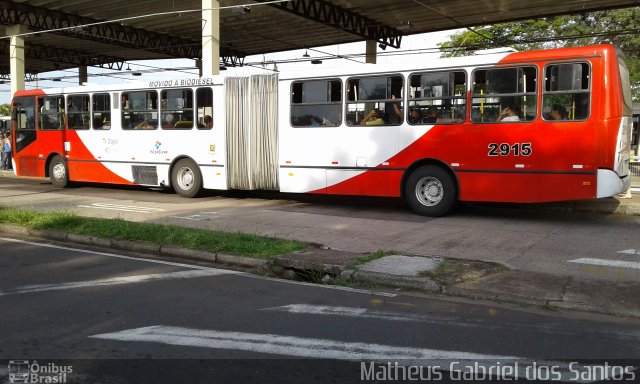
(58,172)
(430,191)
(186,178)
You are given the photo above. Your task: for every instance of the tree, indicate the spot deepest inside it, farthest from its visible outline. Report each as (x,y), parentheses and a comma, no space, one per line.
(5,110)
(620,27)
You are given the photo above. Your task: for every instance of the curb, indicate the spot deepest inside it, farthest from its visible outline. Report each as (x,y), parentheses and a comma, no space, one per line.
(553,292)
(420,283)
(135,246)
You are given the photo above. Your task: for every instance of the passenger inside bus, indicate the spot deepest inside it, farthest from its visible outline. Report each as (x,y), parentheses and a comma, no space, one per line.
(374,117)
(432,115)
(169,123)
(557,112)
(208,122)
(508,114)
(145,124)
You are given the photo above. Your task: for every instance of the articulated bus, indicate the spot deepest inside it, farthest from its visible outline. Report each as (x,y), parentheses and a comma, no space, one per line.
(522,127)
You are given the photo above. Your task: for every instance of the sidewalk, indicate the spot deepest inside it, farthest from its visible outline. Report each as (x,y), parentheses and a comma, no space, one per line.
(475,280)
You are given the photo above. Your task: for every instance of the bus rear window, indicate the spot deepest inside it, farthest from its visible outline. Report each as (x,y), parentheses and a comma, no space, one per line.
(626,85)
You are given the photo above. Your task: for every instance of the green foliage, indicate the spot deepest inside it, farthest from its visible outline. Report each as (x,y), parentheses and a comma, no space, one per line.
(5,109)
(212,241)
(619,27)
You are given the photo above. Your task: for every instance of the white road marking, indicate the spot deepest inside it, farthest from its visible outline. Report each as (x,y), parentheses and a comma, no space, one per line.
(112,281)
(455,361)
(125,208)
(630,251)
(198,217)
(349,312)
(325,286)
(285,345)
(607,263)
(192,217)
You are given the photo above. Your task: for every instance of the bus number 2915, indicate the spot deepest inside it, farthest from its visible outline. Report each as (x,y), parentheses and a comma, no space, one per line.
(506,149)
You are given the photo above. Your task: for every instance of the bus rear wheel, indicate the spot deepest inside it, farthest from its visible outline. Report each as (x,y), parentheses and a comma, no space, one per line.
(186,178)
(58,172)
(430,191)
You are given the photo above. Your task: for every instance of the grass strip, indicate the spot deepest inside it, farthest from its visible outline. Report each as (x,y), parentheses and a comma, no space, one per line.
(213,241)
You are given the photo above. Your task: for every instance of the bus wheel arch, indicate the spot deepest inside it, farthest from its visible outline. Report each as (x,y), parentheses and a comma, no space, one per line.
(186,177)
(57,170)
(430,187)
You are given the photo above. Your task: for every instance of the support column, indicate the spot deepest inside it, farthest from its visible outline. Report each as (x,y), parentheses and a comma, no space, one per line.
(16,57)
(371,52)
(210,37)
(83,76)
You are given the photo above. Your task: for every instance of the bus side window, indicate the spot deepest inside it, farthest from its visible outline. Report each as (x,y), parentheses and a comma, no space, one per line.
(497,90)
(176,108)
(567,87)
(78,111)
(437,97)
(140,111)
(316,103)
(204,106)
(101,111)
(376,100)
(51,112)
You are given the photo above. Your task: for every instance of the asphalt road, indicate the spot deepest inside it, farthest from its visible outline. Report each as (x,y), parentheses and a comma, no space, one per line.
(547,242)
(114,318)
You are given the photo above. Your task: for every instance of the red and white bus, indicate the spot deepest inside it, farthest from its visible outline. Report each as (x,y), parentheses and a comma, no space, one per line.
(522,127)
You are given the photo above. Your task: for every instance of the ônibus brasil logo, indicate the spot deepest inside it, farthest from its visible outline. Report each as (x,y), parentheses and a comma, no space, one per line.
(24,371)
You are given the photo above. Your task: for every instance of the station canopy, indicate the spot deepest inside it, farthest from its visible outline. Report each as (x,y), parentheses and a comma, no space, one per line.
(109,33)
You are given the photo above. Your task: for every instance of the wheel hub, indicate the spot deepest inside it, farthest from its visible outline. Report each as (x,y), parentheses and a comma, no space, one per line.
(429,191)
(185,178)
(59,171)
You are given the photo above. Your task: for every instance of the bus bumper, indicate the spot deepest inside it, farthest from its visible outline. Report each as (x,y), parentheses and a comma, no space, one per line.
(610,184)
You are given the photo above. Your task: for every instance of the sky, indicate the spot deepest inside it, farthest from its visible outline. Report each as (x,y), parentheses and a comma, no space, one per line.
(413,48)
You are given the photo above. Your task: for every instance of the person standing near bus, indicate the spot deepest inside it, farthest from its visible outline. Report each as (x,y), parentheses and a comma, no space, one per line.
(3,155)
(7,153)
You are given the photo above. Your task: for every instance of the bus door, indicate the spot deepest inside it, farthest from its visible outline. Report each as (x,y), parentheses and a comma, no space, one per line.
(23,136)
(252,132)
(81,163)
(51,128)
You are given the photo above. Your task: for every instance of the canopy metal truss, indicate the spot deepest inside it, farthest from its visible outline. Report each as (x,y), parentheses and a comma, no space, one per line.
(61,56)
(112,33)
(337,17)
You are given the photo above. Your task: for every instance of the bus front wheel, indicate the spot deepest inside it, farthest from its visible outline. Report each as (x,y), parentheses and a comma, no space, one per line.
(430,191)
(58,172)
(186,178)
